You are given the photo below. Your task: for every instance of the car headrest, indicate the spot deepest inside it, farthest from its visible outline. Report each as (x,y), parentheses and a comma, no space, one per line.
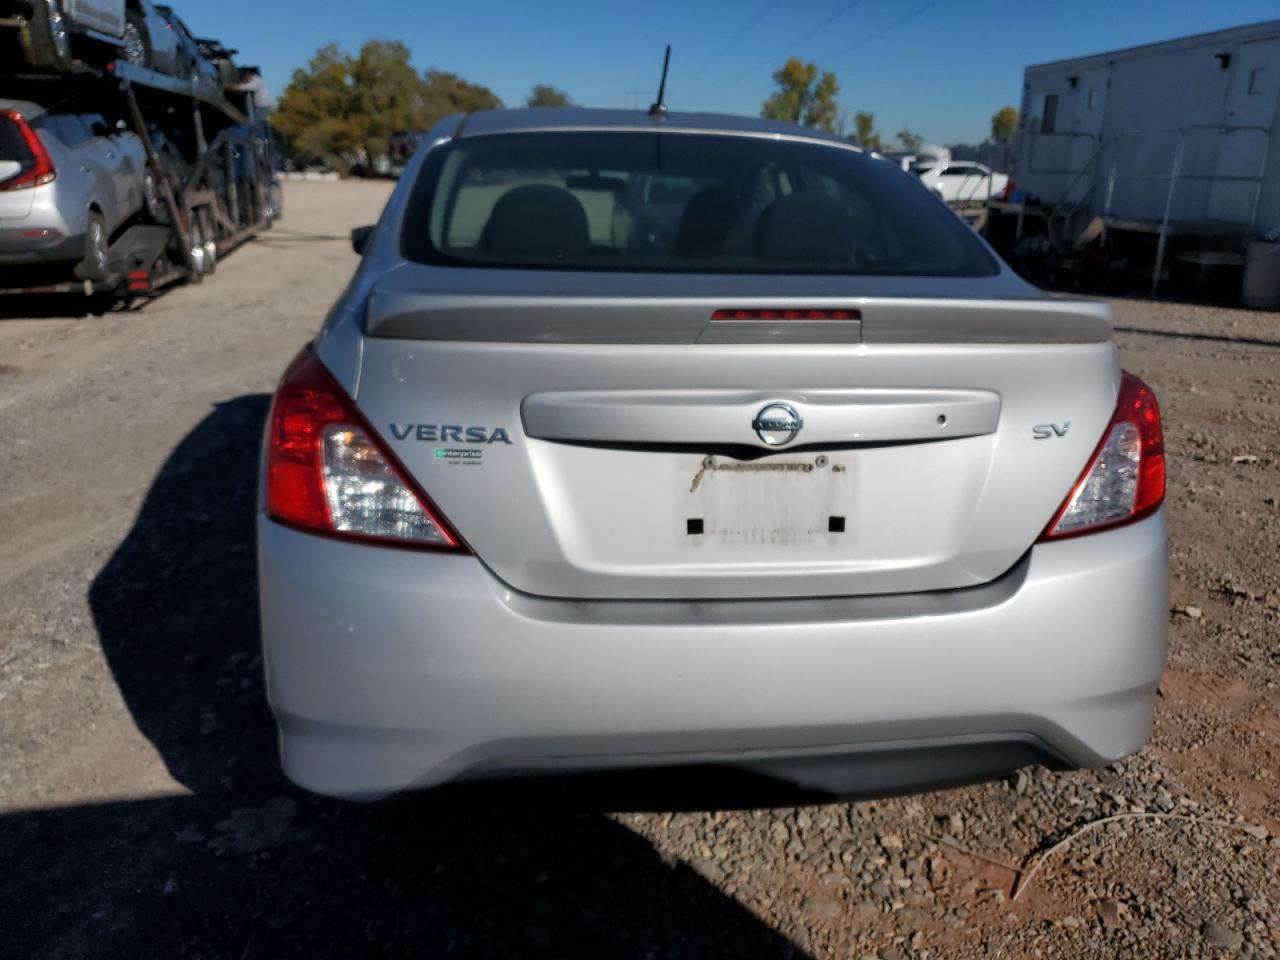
(804,226)
(708,217)
(537,220)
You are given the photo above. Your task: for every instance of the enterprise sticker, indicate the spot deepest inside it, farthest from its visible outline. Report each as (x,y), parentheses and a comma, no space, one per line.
(459,455)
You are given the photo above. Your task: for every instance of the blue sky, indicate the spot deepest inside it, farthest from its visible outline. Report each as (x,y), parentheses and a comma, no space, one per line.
(941,67)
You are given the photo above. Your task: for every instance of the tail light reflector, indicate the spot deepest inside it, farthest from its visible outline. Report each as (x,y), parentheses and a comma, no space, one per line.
(1125,478)
(37,167)
(328,473)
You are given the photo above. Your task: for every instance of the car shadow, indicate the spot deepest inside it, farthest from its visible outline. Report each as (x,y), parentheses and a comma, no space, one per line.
(56,306)
(246,866)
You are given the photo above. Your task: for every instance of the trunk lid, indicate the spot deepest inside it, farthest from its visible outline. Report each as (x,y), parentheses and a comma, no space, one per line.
(630,447)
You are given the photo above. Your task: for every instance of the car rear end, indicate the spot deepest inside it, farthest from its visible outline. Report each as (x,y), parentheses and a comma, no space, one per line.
(35,225)
(637,446)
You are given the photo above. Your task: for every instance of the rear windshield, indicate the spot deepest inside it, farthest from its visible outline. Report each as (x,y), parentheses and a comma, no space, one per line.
(679,203)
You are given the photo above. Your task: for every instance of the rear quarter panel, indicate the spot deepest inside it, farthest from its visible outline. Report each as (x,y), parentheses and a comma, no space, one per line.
(130,165)
(66,201)
(101,188)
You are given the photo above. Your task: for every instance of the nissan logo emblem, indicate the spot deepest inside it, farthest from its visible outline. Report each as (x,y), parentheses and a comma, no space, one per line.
(777,424)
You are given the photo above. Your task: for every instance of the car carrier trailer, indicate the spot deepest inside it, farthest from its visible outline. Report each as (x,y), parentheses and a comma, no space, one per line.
(224,193)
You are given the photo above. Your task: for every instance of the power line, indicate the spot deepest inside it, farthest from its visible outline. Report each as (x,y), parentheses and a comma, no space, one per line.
(795,43)
(880,33)
(764,12)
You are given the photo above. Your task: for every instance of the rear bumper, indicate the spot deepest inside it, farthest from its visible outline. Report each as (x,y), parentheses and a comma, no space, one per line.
(390,669)
(59,210)
(19,245)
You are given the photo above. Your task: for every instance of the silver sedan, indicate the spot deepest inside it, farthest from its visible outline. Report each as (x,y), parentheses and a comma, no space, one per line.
(646,442)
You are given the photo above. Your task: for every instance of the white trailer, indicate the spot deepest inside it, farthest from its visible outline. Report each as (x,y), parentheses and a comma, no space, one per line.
(1179,139)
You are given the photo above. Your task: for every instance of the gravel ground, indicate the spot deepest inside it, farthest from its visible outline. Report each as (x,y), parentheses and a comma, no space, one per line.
(142,814)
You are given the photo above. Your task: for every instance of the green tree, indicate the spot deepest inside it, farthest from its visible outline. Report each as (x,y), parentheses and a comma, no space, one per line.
(345,108)
(385,94)
(448,93)
(545,95)
(909,140)
(1004,125)
(864,131)
(314,109)
(805,95)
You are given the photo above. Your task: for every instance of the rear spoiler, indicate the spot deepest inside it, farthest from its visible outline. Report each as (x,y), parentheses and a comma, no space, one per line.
(560,318)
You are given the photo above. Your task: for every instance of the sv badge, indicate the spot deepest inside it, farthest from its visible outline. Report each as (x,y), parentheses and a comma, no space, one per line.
(1045,431)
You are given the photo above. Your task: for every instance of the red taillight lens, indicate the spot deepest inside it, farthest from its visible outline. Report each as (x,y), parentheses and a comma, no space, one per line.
(37,166)
(1125,479)
(786,314)
(327,471)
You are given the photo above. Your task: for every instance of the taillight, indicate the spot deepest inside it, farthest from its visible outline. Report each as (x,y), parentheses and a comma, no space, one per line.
(37,167)
(786,313)
(327,472)
(1125,477)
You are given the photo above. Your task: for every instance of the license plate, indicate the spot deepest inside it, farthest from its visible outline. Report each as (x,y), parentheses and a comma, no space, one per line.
(774,500)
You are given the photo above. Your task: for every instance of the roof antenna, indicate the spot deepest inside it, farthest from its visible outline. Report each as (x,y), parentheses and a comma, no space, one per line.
(659,109)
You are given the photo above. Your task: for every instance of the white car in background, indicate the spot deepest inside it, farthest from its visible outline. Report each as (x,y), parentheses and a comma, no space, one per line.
(961,181)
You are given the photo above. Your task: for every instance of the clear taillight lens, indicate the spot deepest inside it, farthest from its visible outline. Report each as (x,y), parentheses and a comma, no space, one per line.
(1110,489)
(364,494)
(327,472)
(1125,478)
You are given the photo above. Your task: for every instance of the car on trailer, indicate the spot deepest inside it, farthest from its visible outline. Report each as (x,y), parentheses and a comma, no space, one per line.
(52,34)
(165,173)
(187,59)
(49,33)
(70,179)
(223,59)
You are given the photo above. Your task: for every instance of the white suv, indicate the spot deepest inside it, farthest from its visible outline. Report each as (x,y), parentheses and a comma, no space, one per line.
(69,180)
